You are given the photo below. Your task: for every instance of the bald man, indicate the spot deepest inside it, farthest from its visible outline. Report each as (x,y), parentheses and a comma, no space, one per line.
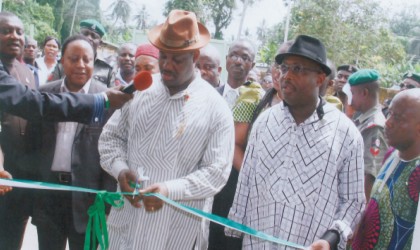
(126,61)
(209,65)
(389,219)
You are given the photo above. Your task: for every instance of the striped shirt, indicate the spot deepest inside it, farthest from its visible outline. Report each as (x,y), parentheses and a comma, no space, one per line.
(186,141)
(298,181)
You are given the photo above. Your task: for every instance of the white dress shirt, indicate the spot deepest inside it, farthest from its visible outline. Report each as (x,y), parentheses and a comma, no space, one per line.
(65,137)
(230,95)
(185,141)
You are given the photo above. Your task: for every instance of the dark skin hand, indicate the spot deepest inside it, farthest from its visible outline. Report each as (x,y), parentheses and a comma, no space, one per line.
(117,98)
(127,178)
(5,189)
(151,203)
(124,179)
(320,245)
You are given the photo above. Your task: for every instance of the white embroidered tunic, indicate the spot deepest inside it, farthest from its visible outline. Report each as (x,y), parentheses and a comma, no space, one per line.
(298,181)
(186,141)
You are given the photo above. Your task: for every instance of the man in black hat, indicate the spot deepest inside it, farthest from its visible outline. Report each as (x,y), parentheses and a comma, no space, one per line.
(102,71)
(302,176)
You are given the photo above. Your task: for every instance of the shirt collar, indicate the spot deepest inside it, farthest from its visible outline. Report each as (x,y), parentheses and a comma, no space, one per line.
(228,88)
(361,118)
(319,107)
(84,90)
(119,77)
(186,92)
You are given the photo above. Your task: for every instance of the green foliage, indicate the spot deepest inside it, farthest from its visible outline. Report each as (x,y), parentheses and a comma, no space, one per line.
(392,74)
(121,10)
(220,12)
(141,18)
(270,38)
(353,31)
(32,13)
(86,9)
(406,22)
(195,6)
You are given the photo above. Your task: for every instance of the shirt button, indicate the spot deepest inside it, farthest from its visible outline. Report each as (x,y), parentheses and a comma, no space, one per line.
(96,119)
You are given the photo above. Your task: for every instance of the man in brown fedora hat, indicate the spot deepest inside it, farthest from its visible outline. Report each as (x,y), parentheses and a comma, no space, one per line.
(179,133)
(302,176)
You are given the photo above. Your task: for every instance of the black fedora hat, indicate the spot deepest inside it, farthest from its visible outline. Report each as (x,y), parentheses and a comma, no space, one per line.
(310,48)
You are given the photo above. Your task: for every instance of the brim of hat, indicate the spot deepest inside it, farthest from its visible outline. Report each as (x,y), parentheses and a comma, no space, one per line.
(154,33)
(280,57)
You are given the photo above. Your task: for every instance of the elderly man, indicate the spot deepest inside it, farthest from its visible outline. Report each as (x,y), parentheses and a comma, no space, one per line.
(164,135)
(302,176)
(103,72)
(370,121)
(209,65)
(388,222)
(239,62)
(126,60)
(147,57)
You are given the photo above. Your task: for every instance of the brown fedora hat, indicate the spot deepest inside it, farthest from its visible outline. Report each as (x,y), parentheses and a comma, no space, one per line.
(181,32)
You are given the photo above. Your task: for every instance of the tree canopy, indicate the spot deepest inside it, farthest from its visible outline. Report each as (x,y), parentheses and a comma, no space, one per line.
(32,14)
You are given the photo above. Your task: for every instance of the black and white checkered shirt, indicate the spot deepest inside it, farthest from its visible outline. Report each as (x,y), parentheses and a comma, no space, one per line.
(298,181)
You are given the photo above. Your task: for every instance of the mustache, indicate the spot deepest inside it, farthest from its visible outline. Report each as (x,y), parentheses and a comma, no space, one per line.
(166,72)
(14,43)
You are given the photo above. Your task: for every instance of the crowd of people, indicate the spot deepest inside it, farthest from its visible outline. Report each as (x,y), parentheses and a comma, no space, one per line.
(304,152)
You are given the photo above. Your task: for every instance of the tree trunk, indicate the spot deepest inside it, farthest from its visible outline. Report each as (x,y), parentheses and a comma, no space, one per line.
(244,7)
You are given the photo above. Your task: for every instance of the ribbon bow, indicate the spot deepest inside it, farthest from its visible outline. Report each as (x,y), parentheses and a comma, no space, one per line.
(97,219)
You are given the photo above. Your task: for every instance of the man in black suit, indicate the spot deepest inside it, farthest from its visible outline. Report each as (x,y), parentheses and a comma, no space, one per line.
(68,154)
(15,208)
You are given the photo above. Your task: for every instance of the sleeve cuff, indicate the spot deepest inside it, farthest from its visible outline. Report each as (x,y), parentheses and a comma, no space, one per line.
(344,231)
(176,189)
(98,109)
(117,167)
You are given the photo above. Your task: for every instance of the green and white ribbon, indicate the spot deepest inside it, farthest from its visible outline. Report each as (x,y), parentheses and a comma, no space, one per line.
(97,230)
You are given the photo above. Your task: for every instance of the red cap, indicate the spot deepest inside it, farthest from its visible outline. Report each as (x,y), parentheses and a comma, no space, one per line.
(147,50)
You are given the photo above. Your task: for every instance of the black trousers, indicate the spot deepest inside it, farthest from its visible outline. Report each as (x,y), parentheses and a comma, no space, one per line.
(15,208)
(221,206)
(53,217)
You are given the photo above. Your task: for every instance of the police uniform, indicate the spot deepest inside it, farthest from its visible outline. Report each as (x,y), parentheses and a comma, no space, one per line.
(371,125)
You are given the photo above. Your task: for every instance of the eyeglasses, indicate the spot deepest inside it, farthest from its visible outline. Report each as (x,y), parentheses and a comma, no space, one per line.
(244,58)
(296,69)
(206,67)
(407,86)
